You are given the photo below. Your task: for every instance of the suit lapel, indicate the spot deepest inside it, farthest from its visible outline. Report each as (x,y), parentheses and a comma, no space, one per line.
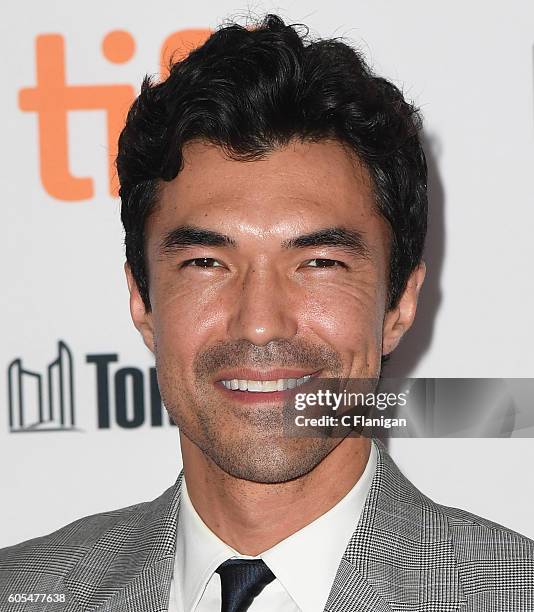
(129,568)
(400,556)
(351,592)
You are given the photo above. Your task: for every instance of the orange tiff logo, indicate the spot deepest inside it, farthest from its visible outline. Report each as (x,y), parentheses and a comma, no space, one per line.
(52,98)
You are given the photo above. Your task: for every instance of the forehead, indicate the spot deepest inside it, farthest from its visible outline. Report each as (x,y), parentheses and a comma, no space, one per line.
(298,187)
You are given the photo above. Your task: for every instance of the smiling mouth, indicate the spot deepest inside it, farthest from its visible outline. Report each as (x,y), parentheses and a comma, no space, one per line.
(264,386)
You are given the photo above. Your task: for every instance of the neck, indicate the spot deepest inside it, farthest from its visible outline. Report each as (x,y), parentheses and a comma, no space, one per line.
(252,517)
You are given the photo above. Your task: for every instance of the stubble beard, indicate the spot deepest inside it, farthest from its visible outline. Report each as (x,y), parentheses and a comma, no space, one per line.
(246,442)
(258,449)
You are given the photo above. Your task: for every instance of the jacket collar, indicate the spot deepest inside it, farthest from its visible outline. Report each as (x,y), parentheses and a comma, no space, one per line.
(399,555)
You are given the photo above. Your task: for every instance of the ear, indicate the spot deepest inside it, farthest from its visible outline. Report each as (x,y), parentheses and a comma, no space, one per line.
(398,320)
(140,317)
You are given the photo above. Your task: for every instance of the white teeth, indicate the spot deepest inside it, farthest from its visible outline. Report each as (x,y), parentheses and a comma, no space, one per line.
(269,385)
(264,386)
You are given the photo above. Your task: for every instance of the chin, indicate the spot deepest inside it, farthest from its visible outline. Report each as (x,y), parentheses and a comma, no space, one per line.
(270,462)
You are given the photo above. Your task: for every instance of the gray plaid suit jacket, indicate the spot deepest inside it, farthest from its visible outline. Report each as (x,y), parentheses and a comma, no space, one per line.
(407,554)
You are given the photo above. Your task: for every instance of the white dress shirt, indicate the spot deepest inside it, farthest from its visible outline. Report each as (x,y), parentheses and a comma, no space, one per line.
(304,564)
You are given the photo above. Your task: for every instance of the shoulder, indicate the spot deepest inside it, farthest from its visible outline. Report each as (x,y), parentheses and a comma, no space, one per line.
(471,535)
(72,561)
(65,545)
(490,556)
(485,563)
(136,527)
(466,527)
(138,523)
(35,570)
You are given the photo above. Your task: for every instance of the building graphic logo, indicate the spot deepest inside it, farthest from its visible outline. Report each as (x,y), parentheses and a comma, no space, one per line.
(34,408)
(124,396)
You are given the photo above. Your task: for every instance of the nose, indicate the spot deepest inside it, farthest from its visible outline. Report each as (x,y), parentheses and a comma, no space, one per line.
(264,308)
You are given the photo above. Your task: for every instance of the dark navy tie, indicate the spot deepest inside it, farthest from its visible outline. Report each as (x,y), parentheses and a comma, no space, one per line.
(241,581)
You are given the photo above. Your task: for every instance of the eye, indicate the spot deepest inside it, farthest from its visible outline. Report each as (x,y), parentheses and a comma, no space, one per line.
(324,263)
(202,262)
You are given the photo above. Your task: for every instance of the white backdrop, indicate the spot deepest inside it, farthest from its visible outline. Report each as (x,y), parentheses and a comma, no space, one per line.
(467,64)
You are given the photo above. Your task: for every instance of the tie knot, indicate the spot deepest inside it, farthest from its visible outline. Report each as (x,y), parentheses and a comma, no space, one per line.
(241,581)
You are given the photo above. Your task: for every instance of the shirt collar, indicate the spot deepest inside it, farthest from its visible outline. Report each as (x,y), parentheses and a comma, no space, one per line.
(199,552)
(307,561)
(318,548)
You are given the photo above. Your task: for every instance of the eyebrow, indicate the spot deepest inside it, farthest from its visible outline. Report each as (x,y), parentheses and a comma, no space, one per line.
(189,235)
(186,236)
(349,240)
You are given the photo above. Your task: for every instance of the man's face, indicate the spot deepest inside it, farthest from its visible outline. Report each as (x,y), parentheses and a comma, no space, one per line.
(264,270)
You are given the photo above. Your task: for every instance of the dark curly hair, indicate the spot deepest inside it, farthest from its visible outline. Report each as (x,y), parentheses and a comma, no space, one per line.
(251,90)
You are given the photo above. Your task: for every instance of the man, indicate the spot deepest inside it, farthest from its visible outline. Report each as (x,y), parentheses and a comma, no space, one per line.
(274,200)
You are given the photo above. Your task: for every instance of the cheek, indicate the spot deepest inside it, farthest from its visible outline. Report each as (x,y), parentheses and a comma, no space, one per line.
(349,317)
(183,318)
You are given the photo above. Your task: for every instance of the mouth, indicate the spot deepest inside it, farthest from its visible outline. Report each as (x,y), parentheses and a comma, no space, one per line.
(262,386)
